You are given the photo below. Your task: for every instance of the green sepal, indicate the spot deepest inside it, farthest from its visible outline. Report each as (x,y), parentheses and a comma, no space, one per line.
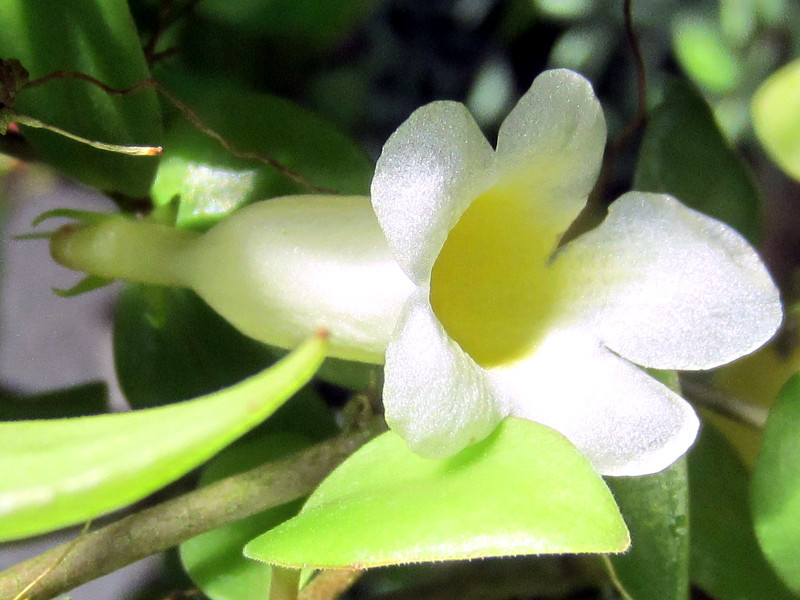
(84,217)
(85,285)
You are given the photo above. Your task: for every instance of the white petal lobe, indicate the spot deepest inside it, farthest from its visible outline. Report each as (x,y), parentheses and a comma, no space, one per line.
(668,287)
(552,143)
(437,399)
(623,420)
(430,169)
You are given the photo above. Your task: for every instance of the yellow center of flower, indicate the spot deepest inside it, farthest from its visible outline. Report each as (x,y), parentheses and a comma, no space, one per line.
(491,287)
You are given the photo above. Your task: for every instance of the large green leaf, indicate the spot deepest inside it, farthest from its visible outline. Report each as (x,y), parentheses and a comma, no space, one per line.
(726,561)
(685,154)
(61,472)
(523,490)
(776,117)
(209,181)
(95,37)
(776,485)
(655,508)
(314,23)
(170,346)
(77,401)
(214,559)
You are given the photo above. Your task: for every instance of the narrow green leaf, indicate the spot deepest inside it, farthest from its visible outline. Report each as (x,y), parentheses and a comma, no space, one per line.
(97,38)
(210,181)
(83,217)
(685,154)
(655,508)
(776,117)
(57,473)
(523,490)
(214,559)
(726,560)
(776,485)
(704,55)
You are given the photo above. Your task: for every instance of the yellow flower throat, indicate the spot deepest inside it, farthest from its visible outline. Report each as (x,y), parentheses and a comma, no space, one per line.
(491,287)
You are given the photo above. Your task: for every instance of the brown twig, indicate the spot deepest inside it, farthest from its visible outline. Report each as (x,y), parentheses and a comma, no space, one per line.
(722,403)
(190,115)
(637,120)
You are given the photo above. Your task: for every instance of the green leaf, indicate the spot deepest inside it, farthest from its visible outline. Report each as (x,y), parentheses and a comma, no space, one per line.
(214,559)
(315,23)
(97,38)
(78,401)
(685,154)
(523,490)
(655,508)
(776,117)
(349,374)
(703,54)
(210,181)
(170,346)
(61,472)
(726,560)
(776,485)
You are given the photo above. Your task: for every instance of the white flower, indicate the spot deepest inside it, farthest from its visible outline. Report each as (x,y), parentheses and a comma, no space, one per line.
(460,284)
(504,323)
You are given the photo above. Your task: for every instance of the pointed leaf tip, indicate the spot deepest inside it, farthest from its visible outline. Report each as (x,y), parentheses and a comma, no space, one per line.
(97,464)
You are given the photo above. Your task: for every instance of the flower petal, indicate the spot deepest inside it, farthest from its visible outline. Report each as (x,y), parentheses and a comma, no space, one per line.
(429,172)
(437,398)
(551,146)
(667,287)
(282,269)
(623,420)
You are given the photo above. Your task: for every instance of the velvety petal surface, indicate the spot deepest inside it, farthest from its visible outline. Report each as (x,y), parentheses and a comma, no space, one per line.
(550,147)
(623,420)
(435,164)
(668,287)
(436,397)
(291,265)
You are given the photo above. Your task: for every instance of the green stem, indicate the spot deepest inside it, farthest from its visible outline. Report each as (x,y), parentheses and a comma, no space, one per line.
(284,583)
(722,403)
(167,524)
(122,248)
(614,578)
(329,584)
